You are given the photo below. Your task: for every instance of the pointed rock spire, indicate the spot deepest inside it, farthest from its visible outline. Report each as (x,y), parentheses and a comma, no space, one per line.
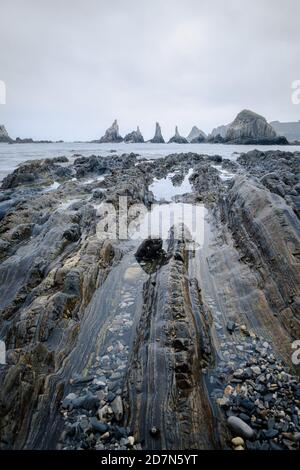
(196,135)
(134,137)
(177,138)
(112,134)
(4,137)
(158,138)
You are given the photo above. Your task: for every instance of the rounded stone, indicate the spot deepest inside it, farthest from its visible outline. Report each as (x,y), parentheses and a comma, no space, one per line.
(238,441)
(240,428)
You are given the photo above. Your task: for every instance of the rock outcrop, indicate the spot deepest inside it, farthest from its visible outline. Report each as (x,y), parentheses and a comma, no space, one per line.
(114,344)
(218,134)
(177,138)
(196,135)
(134,137)
(266,231)
(158,138)
(112,134)
(247,128)
(278,171)
(167,361)
(4,137)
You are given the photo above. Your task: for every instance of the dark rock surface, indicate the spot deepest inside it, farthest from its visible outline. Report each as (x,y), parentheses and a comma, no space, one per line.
(278,171)
(125,344)
(268,233)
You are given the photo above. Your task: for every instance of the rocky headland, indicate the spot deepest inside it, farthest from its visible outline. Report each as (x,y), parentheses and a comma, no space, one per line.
(129,344)
(248,128)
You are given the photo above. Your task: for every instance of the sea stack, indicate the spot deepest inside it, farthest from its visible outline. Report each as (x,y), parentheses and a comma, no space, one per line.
(196,135)
(247,128)
(177,138)
(134,137)
(158,138)
(4,137)
(112,134)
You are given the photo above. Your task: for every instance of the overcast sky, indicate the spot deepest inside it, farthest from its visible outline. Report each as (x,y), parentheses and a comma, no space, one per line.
(71,66)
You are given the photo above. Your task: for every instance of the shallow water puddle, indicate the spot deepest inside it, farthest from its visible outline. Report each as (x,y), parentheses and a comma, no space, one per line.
(164,190)
(225,175)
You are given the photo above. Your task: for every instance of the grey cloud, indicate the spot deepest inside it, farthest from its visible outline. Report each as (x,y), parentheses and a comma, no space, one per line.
(71,67)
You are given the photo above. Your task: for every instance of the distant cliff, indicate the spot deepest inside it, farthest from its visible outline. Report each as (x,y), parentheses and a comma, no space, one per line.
(290,130)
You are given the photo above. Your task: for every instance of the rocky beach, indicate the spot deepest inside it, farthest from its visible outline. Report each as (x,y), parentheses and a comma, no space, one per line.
(125,343)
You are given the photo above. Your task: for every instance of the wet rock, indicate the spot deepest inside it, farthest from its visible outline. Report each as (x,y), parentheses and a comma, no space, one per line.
(231,326)
(149,249)
(240,428)
(117,407)
(155,432)
(97,426)
(73,233)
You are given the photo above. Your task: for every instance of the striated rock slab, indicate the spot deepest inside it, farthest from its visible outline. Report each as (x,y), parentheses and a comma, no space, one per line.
(267,232)
(166,403)
(278,171)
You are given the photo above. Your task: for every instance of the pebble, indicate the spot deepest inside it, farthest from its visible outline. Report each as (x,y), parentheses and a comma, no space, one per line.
(117,407)
(256,370)
(238,441)
(231,326)
(240,428)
